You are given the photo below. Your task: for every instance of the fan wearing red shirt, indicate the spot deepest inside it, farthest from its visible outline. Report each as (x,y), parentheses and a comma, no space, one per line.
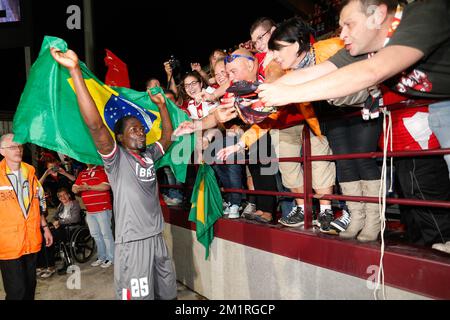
(93,186)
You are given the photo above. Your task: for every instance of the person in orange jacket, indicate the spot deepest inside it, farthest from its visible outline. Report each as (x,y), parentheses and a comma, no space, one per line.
(21,204)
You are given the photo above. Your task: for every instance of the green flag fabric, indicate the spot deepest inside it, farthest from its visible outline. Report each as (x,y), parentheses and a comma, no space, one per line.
(206,206)
(48,113)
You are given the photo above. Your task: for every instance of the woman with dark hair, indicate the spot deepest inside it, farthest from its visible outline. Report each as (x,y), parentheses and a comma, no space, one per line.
(68,212)
(293,49)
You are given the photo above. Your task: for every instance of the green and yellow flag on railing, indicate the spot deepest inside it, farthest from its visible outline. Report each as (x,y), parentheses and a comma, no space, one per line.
(48,113)
(206,205)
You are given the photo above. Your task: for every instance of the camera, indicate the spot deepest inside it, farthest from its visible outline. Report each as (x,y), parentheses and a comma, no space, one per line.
(55,169)
(174,63)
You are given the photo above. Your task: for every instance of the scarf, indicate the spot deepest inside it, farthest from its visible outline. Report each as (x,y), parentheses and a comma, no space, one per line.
(309,60)
(375,100)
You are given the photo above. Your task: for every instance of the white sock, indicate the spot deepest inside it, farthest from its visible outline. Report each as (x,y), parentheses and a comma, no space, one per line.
(302,206)
(325,207)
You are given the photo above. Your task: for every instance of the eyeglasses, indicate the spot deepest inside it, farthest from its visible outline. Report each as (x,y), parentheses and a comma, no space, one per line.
(232,57)
(192,84)
(18,146)
(258,39)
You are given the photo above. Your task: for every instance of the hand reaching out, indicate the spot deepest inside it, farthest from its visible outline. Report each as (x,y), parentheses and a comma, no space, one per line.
(204,96)
(226,111)
(228,151)
(235,130)
(275,94)
(184,128)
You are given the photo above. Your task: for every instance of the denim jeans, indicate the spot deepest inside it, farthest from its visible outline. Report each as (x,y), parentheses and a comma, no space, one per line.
(354,135)
(100,228)
(230,175)
(439,121)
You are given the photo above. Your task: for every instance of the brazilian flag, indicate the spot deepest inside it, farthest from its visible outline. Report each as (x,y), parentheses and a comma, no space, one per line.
(206,205)
(48,113)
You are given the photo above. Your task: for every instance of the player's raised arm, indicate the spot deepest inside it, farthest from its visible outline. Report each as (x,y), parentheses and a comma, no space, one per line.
(167,129)
(99,132)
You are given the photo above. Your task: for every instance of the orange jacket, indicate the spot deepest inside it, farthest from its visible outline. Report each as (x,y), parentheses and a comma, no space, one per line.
(19,236)
(324,50)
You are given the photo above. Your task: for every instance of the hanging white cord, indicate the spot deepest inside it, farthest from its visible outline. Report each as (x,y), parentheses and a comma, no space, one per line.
(387,135)
(391,186)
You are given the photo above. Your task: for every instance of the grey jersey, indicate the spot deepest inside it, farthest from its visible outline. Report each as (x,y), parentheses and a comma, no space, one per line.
(137,211)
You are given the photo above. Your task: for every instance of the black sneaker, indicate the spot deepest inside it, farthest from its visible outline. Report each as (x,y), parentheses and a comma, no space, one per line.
(295,218)
(341,224)
(324,220)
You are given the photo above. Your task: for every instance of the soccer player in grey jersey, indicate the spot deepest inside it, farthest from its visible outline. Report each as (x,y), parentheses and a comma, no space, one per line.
(143,269)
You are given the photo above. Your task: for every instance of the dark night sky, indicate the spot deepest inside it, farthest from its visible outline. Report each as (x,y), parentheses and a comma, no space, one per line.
(142,33)
(189,29)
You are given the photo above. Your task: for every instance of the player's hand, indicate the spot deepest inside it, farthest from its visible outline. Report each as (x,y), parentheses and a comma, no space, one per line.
(157,99)
(68,59)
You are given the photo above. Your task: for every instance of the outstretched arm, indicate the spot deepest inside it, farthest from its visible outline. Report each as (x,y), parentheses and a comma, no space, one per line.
(102,138)
(352,78)
(303,75)
(221,114)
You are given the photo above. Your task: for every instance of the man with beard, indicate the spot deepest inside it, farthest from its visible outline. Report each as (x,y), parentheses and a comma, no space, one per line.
(143,269)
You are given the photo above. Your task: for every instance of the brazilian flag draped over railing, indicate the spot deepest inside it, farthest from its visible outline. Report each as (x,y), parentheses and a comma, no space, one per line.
(206,205)
(48,113)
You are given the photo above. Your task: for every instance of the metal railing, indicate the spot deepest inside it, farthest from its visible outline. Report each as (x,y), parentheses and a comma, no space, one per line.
(307,160)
